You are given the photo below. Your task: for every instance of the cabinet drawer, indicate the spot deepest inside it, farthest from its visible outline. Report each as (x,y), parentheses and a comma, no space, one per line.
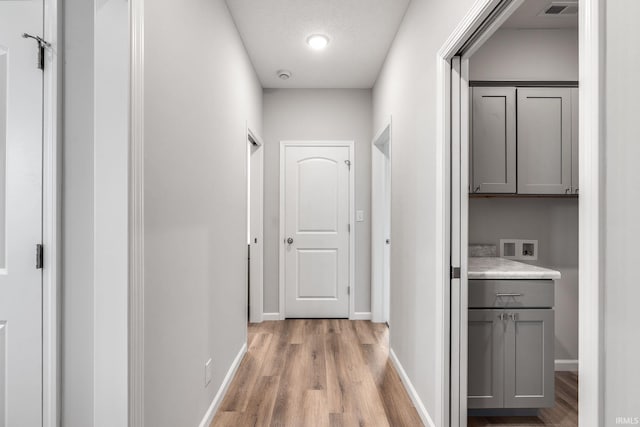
(511,293)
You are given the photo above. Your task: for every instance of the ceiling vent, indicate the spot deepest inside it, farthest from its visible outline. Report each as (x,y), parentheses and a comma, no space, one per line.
(560,9)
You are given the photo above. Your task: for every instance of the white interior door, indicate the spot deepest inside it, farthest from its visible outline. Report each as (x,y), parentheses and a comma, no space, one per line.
(21,84)
(316,236)
(255,226)
(381,226)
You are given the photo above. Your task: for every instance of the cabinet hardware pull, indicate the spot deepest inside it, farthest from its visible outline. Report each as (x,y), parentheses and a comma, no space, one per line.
(507,295)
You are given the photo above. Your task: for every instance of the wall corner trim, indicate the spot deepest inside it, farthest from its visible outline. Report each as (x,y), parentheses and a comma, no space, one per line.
(417,402)
(217,400)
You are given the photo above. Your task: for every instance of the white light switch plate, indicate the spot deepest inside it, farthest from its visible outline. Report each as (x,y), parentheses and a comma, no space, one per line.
(359,216)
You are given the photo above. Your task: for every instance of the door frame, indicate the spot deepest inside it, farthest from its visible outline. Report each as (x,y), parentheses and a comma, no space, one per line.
(51,179)
(452,134)
(256,302)
(379,177)
(281,234)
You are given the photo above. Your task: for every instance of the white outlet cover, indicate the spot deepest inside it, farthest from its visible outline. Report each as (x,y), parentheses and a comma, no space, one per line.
(208,372)
(359,216)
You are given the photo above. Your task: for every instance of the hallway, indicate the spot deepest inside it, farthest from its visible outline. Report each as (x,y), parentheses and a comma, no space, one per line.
(309,372)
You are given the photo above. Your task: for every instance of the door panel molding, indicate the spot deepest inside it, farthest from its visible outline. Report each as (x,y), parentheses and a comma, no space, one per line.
(282,233)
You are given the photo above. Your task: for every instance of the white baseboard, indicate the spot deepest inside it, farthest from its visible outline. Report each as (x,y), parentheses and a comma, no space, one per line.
(361,315)
(413,394)
(566,365)
(217,400)
(270,316)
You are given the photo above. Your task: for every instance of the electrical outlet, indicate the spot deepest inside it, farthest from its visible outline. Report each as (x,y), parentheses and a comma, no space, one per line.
(359,216)
(208,372)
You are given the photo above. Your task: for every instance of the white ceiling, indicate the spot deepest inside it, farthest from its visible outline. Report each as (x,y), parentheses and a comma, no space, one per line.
(360,31)
(527,17)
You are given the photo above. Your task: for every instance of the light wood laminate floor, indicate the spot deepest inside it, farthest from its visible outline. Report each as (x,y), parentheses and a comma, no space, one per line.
(308,373)
(563,414)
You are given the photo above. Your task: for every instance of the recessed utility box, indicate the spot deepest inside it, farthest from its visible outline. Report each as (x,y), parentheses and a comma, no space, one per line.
(519,249)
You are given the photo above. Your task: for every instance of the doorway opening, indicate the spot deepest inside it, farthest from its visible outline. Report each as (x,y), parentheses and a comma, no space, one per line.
(255,225)
(511,195)
(381,225)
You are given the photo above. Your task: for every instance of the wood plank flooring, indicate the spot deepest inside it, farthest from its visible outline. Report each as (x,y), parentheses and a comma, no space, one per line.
(563,414)
(308,373)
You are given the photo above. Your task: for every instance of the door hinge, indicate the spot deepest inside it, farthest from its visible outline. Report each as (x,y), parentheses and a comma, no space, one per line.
(348,163)
(42,45)
(455,272)
(39,256)
(349,228)
(348,290)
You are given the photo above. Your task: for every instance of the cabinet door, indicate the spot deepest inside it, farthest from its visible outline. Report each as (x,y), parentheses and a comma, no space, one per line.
(493,140)
(544,140)
(486,359)
(575,160)
(529,359)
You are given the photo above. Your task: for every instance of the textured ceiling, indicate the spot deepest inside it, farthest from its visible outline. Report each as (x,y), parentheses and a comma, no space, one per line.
(274,33)
(527,17)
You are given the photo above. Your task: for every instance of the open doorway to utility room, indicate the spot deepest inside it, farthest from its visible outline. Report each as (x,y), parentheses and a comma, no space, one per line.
(520,320)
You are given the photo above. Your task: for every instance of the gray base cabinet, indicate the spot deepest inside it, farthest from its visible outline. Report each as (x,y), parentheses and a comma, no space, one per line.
(529,360)
(485,369)
(510,345)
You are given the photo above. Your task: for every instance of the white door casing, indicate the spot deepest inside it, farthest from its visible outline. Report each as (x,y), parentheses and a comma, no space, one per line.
(21,131)
(316,236)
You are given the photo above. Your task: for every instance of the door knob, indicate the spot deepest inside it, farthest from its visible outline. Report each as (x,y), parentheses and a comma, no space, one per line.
(290,240)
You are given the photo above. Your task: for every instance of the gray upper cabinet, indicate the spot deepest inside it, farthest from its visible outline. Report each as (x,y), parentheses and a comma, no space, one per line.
(544,141)
(524,140)
(493,141)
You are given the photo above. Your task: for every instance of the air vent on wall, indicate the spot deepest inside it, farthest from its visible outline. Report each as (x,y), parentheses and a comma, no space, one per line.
(560,9)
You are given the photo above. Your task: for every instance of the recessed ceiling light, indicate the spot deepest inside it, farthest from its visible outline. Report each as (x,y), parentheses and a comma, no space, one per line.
(317,41)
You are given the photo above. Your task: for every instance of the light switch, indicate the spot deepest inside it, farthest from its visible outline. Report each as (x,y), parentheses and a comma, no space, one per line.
(359,216)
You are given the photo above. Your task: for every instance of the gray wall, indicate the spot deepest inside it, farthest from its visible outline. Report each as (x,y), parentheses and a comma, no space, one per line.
(317,114)
(531,54)
(406,90)
(622,202)
(554,223)
(200,91)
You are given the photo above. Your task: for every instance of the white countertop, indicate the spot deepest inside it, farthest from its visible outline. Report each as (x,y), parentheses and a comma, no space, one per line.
(501,268)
